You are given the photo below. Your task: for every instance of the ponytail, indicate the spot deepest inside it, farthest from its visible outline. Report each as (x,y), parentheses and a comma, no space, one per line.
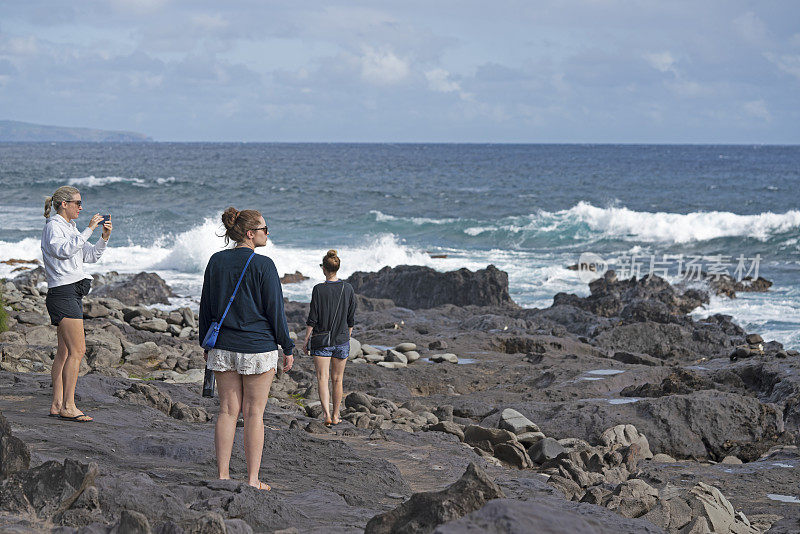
(62,194)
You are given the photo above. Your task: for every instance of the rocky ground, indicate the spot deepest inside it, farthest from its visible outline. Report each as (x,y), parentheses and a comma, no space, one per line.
(611,413)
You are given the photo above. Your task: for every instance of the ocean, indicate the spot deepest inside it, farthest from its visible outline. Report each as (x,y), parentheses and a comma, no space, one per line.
(531,210)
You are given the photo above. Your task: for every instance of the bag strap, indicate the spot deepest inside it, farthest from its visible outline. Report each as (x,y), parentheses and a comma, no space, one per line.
(333,322)
(230,301)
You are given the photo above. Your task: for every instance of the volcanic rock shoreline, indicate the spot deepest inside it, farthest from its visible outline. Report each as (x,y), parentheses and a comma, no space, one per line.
(615,412)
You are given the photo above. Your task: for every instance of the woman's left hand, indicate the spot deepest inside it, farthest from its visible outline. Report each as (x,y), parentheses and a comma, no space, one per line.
(107,227)
(288,360)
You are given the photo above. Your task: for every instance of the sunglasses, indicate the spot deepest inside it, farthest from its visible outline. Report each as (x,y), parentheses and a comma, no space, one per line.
(78,202)
(265,228)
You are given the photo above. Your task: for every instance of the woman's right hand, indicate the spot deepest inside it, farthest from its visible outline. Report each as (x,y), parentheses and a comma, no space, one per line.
(304,348)
(96,219)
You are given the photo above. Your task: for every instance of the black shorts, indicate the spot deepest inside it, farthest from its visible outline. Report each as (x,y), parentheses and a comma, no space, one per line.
(67,301)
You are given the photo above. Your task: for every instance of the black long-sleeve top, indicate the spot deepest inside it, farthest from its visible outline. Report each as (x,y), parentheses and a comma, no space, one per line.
(256,321)
(323,309)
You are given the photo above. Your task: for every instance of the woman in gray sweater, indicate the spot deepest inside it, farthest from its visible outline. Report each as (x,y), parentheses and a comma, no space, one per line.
(331,316)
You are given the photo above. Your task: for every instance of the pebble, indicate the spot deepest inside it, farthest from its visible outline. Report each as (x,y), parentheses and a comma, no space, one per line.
(445,357)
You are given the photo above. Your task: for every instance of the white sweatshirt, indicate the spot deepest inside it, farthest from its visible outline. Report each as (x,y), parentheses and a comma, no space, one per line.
(65,249)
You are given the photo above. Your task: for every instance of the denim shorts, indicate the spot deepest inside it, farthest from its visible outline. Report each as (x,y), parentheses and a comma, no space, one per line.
(337,351)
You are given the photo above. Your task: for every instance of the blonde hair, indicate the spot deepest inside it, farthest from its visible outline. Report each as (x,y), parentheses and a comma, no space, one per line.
(331,262)
(62,194)
(237,223)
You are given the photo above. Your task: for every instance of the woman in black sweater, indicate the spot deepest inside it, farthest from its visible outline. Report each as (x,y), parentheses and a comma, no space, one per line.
(245,356)
(331,315)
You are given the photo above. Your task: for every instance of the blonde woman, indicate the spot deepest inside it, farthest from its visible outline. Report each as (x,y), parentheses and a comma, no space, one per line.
(331,316)
(64,251)
(245,355)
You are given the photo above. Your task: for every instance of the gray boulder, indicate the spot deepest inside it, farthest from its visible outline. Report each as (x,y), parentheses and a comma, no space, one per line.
(142,288)
(545,449)
(515,422)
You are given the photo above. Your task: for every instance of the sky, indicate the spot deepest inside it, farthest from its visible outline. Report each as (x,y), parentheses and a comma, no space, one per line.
(566,71)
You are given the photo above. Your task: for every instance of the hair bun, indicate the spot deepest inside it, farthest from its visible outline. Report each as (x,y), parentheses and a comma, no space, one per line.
(229,217)
(332,253)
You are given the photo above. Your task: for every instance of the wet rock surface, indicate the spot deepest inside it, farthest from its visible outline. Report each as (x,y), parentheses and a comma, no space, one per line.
(614,412)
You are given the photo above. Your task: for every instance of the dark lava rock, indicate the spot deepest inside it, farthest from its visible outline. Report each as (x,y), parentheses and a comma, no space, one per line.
(14,454)
(610,296)
(701,424)
(142,288)
(728,286)
(487,438)
(131,522)
(48,489)
(423,512)
(295,278)
(146,395)
(667,341)
(448,427)
(637,358)
(315,427)
(366,304)
(149,395)
(544,516)
(513,453)
(417,287)
(190,414)
(680,381)
(545,449)
(754,339)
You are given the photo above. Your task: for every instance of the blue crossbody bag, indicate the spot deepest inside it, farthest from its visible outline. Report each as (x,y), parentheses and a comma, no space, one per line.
(213,330)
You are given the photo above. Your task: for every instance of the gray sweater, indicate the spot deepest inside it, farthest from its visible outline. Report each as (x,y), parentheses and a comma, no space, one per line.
(322,310)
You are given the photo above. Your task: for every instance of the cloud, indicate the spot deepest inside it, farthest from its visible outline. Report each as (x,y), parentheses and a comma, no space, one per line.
(209,22)
(758,109)
(382,67)
(563,70)
(661,61)
(788,63)
(439,80)
(751,27)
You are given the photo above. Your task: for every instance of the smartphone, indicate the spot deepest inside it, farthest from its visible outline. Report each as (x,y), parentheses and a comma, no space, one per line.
(106,218)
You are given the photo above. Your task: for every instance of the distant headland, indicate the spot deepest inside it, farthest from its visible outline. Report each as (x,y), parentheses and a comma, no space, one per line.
(15,131)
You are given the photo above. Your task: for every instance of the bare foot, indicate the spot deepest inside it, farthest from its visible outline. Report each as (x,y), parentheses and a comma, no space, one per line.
(328,422)
(336,421)
(260,486)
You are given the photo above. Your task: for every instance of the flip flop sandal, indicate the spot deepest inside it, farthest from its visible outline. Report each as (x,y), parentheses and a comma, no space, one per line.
(77,418)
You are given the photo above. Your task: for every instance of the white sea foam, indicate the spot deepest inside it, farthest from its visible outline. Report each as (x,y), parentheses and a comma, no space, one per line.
(643,226)
(683,228)
(93,181)
(775,315)
(383,217)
